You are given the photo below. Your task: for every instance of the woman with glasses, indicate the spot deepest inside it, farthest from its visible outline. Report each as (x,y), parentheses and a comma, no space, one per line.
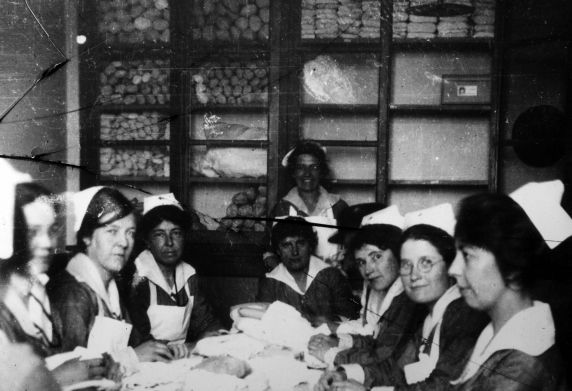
(501,249)
(307,165)
(434,353)
(386,309)
(165,302)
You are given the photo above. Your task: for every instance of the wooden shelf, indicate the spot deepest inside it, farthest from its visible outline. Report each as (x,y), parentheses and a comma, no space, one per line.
(207,180)
(439,183)
(353,182)
(338,45)
(231,143)
(339,109)
(133,179)
(445,44)
(198,108)
(135,108)
(440,109)
(128,52)
(133,143)
(348,143)
(212,51)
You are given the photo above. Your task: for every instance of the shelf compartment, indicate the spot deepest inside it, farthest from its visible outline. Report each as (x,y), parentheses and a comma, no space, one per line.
(228,162)
(129,162)
(340,79)
(410,199)
(440,109)
(230,83)
(134,127)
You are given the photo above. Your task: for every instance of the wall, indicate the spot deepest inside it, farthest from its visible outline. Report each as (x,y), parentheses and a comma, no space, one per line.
(36,126)
(535,74)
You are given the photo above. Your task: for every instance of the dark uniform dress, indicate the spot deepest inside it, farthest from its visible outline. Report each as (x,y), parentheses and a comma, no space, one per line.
(328,295)
(402,315)
(460,328)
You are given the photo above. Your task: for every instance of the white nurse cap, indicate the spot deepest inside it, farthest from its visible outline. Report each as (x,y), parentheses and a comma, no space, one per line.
(10,178)
(81,201)
(160,200)
(440,216)
(541,202)
(388,216)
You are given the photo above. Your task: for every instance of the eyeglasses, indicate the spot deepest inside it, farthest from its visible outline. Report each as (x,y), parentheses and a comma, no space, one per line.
(374,257)
(301,168)
(424,266)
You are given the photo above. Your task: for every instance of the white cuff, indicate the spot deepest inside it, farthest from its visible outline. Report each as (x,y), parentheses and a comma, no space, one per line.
(330,356)
(383,388)
(268,254)
(346,341)
(355,372)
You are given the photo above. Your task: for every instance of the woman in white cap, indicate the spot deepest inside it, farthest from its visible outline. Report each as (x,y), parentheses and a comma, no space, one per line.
(307,165)
(501,249)
(386,309)
(87,308)
(165,302)
(434,352)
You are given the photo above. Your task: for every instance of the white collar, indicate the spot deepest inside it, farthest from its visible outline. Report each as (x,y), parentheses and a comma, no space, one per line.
(325,202)
(280,273)
(147,267)
(376,306)
(84,270)
(15,303)
(438,311)
(530,331)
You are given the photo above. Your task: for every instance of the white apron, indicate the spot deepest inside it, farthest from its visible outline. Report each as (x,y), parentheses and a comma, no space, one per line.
(169,323)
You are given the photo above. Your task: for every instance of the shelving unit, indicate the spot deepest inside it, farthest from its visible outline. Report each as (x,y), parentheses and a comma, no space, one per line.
(372,140)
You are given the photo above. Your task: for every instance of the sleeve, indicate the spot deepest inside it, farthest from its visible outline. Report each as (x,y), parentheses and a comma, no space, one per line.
(137,305)
(202,318)
(339,207)
(266,291)
(516,372)
(342,300)
(458,339)
(73,311)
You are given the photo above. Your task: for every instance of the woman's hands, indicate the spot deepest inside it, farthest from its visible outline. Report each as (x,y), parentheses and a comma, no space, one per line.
(181,350)
(328,378)
(154,351)
(319,344)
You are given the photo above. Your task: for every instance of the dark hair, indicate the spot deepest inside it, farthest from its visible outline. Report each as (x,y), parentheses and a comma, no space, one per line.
(162,213)
(293,227)
(307,147)
(105,202)
(25,193)
(441,240)
(496,223)
(384,236)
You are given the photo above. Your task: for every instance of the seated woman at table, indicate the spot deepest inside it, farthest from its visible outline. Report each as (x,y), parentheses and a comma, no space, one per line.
(386,309)
(165,302)
(86,292)
(435,352)
(501,249)
(307,165)
(319,292)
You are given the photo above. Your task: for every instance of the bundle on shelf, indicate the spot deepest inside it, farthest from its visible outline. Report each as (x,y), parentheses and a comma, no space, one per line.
(230,20)
(232,83)
(134,126)
(153,162)
(245,204)
(135,82)
(134,21)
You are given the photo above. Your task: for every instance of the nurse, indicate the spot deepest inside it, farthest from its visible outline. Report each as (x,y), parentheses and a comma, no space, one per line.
(501,249)
(165,302)
(435,350)
(87,308)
